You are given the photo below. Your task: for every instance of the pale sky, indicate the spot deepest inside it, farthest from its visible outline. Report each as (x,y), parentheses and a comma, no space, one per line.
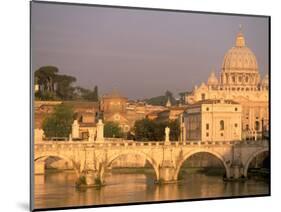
(140,53)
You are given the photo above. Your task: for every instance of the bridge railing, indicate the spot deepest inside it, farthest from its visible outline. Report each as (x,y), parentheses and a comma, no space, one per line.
(128,143)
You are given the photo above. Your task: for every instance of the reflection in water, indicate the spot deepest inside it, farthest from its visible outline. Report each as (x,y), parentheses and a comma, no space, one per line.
(58,190)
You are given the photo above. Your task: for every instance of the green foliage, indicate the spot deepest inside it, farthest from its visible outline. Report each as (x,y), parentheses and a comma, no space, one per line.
(162,100)
(174,130)
(86,94)
(45,77)
(64,90)
(112,130)
(145,130)
(96,94)
(45,95)
(148,130)
(53,85)
(58,124)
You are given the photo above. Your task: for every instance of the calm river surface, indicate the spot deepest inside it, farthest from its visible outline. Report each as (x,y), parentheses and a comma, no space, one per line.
(58,190)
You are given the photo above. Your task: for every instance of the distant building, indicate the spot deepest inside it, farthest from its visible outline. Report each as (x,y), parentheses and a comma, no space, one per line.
(168,103)
(117,108)
(213,120)
(113,107)
(85,113)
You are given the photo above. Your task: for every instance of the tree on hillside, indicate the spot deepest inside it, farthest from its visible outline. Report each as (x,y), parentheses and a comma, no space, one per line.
(45,77)
(53,85)
(64,89)
(59,123)
(96,94)
(86,94)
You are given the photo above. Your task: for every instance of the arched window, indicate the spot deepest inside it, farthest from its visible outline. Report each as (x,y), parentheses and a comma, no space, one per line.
(221,125)
(233,79)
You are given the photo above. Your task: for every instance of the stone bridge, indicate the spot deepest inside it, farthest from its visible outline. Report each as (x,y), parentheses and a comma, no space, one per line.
(91,159)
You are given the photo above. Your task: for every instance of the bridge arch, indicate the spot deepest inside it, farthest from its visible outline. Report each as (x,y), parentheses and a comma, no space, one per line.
(251,157)
(132,152)
(215,154)
(41,158)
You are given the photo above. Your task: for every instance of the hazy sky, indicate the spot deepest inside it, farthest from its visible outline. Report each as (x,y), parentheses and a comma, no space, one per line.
(141,53)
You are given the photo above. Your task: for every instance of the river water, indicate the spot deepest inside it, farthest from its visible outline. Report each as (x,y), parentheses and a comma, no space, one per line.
(58,190)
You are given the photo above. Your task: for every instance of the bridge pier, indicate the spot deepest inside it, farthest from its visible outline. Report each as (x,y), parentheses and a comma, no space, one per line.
(167,173)
(90,178)
(39,167)
(236,172)
(94,178)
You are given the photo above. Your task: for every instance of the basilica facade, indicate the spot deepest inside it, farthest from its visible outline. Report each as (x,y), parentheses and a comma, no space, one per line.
(239,81)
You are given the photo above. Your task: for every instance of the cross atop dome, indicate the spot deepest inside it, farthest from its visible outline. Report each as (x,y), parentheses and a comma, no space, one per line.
(240,40)
(240,27)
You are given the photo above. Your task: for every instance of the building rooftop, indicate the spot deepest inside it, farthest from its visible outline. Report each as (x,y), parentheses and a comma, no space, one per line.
(214,101)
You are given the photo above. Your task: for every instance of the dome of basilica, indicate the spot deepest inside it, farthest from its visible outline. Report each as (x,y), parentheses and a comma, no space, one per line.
(240,58)
(212,80)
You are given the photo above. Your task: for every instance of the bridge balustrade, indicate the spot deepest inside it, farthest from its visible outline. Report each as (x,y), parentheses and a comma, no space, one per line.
(71,144)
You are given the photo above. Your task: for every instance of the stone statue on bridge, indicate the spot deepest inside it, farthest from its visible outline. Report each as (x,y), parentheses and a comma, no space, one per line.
(100,136)
(167,135)
(75,129)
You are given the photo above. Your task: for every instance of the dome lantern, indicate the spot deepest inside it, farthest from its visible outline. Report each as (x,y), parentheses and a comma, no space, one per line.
(240,40)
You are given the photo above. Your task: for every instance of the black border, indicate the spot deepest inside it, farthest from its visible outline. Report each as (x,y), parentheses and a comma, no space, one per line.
(31,157)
